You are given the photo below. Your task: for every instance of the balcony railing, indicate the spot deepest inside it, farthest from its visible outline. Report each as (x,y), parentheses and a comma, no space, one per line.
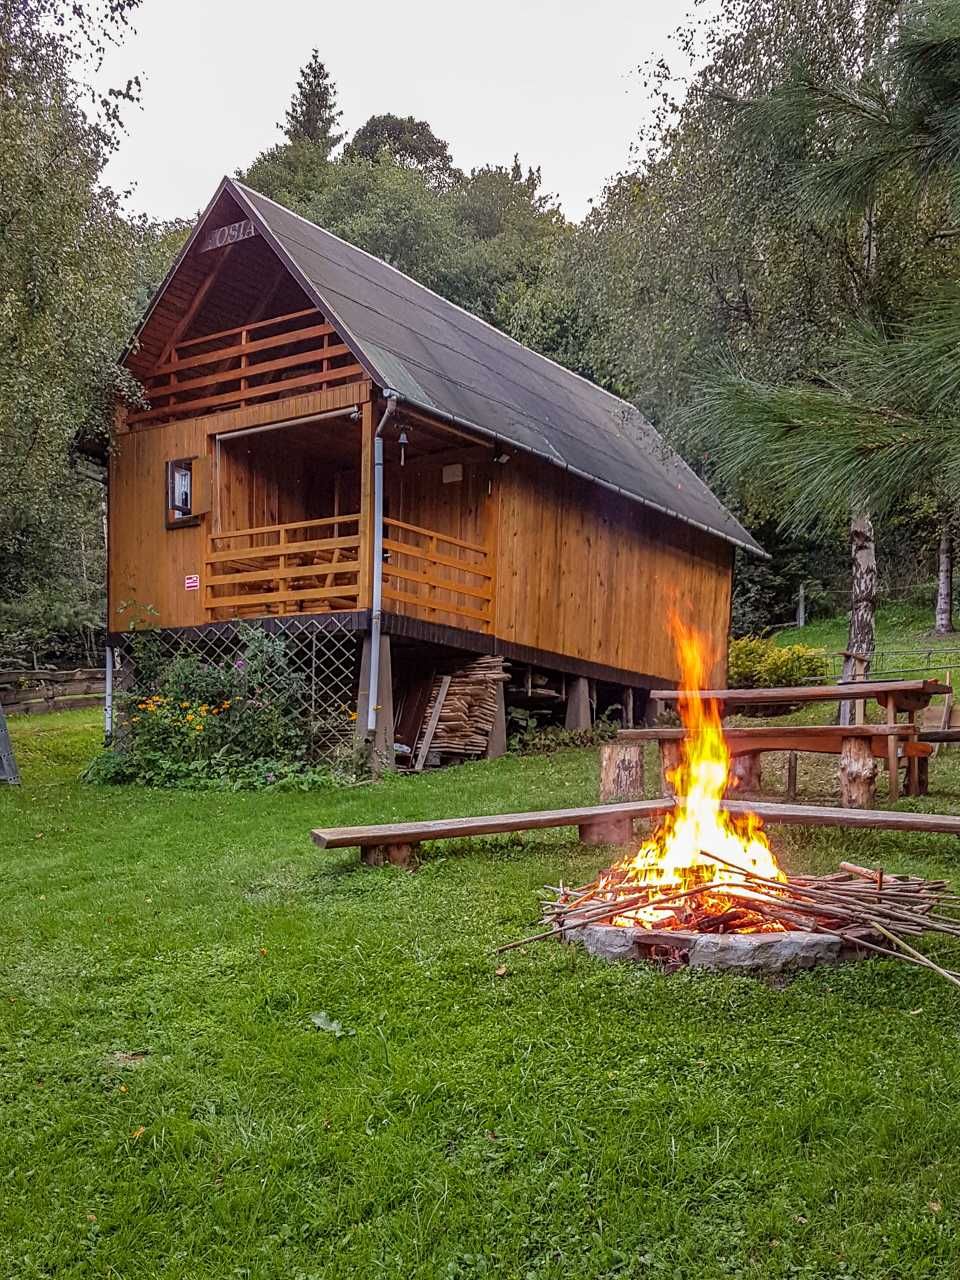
(315,566)
(438,577)
(308,567)
(298,352)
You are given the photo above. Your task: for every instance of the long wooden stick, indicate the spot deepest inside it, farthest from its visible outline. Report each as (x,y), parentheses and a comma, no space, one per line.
(917,955)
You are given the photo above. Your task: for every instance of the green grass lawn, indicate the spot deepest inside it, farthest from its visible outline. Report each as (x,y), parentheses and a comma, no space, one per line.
(905,639)
(168,1110)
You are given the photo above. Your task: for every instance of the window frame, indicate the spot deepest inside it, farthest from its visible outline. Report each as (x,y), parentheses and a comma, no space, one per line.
(176,517)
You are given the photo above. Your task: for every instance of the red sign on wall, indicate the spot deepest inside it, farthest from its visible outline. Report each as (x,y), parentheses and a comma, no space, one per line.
(191,582)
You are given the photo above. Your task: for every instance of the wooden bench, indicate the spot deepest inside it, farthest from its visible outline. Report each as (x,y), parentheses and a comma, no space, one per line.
(398,842)
(895,696)
(748,743)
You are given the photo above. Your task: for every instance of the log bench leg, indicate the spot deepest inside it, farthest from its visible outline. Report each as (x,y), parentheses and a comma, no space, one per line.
(923,776)
(621,771)
(669,759)
(607,831)
(858,773)
(792,777)
(398,855)
(745,773)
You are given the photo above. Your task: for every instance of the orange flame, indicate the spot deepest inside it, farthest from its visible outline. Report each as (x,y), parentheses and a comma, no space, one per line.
(683,852)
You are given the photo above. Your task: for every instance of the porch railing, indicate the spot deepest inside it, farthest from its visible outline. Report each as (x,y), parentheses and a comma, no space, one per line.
(309,566)
(437,576)
(314,566)
(298,352)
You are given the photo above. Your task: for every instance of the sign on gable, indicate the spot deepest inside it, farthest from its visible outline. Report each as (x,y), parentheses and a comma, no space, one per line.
(229,235)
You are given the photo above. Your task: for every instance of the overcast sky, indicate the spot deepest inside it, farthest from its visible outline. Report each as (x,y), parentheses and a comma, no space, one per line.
(555,80)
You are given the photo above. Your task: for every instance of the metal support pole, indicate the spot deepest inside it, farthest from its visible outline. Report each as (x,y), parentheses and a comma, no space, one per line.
(376,613)
(108,696)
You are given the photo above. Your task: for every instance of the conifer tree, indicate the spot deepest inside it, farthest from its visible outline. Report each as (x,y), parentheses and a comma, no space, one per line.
(313,115)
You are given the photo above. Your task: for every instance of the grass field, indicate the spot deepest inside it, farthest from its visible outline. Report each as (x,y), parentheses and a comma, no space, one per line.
(905,641)
(169,1110)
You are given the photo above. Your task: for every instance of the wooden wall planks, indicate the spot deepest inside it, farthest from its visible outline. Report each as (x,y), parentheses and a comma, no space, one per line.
(580,571)
(584,572)
(148,562)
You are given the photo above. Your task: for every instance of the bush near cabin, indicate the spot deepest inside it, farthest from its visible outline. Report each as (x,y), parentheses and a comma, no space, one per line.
(756,663)
(241,722)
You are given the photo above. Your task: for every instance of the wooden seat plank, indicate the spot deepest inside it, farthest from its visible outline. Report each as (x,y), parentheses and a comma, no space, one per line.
(413,833)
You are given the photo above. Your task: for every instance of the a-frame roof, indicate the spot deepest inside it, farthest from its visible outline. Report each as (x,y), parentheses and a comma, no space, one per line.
(441,359)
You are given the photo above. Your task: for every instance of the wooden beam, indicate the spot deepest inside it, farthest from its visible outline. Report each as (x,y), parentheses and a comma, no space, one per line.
(199,297)
(431,728)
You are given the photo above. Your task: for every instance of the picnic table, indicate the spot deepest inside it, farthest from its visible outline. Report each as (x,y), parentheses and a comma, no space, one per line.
(857,745)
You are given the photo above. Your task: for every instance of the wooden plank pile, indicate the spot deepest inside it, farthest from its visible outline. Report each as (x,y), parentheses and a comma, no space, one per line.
(462,709)
(35,692)
(862,906)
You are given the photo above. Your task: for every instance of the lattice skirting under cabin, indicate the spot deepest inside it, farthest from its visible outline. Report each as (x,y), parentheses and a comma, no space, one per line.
(323,653)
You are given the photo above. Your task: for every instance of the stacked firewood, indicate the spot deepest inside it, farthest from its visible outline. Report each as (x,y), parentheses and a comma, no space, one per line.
(864,907)
(469,707)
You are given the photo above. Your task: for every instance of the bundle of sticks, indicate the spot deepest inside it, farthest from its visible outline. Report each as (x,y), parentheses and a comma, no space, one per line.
(863,906)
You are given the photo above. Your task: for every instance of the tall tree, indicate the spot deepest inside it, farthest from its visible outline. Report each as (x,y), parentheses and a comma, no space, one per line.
(67,256)
(856,437)
(313,115)
(407,142)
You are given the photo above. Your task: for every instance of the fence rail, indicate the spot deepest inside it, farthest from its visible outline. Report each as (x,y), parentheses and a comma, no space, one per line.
(310,566)
(316,566)
(298,352)
(438,576)
(39,692)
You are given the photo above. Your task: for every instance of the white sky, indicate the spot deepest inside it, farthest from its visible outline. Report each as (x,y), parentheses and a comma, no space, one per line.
(555,80)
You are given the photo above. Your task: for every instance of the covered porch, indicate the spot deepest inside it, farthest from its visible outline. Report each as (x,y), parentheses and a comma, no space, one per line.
(292,527)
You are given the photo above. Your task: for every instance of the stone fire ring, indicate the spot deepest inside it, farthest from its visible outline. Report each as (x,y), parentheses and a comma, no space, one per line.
(740,952)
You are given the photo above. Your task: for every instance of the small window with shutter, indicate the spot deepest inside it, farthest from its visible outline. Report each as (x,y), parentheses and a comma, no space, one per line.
(186,491)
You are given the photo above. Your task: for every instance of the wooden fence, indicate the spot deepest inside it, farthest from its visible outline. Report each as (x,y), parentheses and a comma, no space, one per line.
(37,692)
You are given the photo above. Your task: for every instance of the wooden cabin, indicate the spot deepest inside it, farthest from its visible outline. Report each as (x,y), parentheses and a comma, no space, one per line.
(323,439)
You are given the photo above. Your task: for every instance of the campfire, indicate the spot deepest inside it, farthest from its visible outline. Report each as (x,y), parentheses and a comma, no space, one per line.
(706,887)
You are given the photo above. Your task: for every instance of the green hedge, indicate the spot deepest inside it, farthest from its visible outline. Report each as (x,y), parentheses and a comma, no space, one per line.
(755,663)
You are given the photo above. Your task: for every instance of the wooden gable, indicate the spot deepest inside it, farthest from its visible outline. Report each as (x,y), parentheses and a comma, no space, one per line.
(231,326)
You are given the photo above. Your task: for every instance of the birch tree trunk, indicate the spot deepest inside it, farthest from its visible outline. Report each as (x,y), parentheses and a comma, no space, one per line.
(943,624)
(861,637)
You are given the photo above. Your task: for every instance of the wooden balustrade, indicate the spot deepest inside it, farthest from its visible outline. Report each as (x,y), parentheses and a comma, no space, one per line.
(316,565)
(309,566)
(298,352)
(439,577)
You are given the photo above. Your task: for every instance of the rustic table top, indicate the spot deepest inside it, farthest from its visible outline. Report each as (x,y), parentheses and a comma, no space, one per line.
(905,693)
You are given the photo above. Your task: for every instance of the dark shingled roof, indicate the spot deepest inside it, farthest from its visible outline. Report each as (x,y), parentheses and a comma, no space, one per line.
(442,359)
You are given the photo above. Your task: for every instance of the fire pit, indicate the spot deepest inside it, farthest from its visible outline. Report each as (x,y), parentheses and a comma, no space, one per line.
(706,889)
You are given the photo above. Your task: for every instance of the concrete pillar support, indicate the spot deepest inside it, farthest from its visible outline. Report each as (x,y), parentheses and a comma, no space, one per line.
(578,703)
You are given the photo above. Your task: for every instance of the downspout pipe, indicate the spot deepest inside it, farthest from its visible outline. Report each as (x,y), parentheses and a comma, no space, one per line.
(376,613)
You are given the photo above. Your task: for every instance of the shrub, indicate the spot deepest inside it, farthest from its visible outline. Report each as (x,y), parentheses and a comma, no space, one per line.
(530,737)
(240,722)
(754,663)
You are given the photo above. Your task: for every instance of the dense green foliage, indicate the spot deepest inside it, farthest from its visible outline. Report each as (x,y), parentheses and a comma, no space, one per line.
(244,721)
(73,271)
(758,663)
(872,423)
(170,1109)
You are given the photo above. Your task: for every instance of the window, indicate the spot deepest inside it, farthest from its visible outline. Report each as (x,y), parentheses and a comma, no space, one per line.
(180,491)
